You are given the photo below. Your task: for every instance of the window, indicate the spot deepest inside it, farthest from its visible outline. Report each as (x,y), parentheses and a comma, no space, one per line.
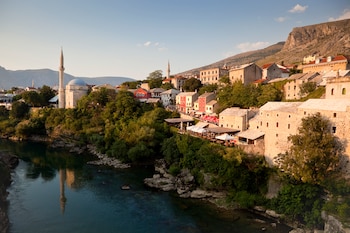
(276,135)
(343,91)
(267,124)
(332,91)
(334,129)
(304,113)
(288,126)
(276,124)
(334,114)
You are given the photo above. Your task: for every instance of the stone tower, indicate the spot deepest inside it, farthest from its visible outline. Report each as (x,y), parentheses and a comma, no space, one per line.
(61,96)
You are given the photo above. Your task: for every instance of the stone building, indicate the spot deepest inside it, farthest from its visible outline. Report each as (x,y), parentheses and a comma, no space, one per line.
(326,64)
(235,118)
(292,89)
(212,76)
(272,71)
(245,74)
(277,120)
(338,88)
(75,90)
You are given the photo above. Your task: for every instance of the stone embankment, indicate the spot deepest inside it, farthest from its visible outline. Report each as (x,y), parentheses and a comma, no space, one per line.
(7,163)
(105,160)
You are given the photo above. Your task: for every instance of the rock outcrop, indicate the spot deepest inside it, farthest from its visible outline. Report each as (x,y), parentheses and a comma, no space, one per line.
(7,162)
(183,183)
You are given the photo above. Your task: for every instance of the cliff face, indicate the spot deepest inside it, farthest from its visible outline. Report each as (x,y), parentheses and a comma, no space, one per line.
(326,39)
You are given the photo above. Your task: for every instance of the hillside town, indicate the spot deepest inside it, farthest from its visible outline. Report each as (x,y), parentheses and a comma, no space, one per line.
(263,130)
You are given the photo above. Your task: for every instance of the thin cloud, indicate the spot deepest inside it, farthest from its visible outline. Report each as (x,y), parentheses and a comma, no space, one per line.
(344,15)
(298,9)
(147,44)
(248,46)
(281,19)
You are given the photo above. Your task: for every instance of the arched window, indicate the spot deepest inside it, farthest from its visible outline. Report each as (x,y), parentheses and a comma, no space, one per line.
(343,91)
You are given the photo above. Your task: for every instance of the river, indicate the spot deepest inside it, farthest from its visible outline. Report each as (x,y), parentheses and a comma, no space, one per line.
(56,191)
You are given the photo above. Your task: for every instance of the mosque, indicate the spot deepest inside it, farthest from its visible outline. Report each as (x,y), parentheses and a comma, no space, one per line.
(75,89)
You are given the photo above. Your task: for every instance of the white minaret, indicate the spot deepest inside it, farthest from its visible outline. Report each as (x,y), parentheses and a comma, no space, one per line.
(61,97)
(168,71)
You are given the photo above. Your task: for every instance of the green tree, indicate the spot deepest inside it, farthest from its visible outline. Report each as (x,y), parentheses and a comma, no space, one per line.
(19,110)
(32,98)
(155,79)
(315,152)
(269,93)
(307,88)
(192,84)
(208,88)
(46,93)
(167,86)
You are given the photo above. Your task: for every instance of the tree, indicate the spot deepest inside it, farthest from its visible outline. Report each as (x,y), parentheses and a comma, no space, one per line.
(19,110)
(192,84)
(32,98)
(307,88)
(315,151)
(208,88)
(269,93)
(155,79)
(46,94)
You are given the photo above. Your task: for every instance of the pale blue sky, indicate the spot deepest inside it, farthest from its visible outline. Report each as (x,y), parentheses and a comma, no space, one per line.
(132,38)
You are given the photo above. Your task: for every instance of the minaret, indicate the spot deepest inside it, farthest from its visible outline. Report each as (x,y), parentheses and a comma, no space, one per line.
(168,71)
(61,97)
(63,198)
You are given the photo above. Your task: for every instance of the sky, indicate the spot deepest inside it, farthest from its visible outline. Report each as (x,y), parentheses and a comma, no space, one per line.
(133,38)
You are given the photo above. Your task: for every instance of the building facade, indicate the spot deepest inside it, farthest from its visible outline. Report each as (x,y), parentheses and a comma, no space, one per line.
(338,88)
(212,76)
(327,64)
(292,89)
(169,97)
(185,101)
(245,74)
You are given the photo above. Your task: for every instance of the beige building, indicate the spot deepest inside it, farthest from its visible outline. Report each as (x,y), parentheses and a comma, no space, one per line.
(277,120)
(212,76)
(292,88)
(246,74)
(272,71)
(235,118)
(75,90)
(326,64)
(338,88)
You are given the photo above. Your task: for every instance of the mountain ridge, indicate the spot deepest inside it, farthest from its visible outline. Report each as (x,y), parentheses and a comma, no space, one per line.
(48,77)
(324,39)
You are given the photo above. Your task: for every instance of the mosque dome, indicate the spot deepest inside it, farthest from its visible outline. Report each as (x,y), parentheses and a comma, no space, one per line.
(76,82)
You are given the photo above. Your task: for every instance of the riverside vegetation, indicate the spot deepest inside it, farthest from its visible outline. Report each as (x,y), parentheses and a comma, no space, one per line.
(123,128)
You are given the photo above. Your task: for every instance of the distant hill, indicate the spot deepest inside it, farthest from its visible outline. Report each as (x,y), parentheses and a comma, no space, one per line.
(40,77)
(325,39)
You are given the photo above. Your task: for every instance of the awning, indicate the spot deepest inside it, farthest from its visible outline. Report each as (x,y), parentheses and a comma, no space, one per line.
(221,130)
(251,134)
(224,137)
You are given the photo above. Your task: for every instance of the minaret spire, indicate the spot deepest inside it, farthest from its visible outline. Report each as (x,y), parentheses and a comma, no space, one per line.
(168,71)
(61,97)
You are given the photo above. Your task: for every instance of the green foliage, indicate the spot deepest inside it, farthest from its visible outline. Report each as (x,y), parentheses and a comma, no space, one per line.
(167,86)
(307,88)
(269,93)
(46,93)
(192,84)
(20,110)
(4,113)
(131,85)
(302,202)
(208,88)
(315,152)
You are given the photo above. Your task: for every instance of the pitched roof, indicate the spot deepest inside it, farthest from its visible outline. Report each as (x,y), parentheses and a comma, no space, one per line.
(251,134)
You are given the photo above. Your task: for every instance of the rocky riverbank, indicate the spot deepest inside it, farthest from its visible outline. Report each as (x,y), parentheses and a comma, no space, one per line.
(7,163)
